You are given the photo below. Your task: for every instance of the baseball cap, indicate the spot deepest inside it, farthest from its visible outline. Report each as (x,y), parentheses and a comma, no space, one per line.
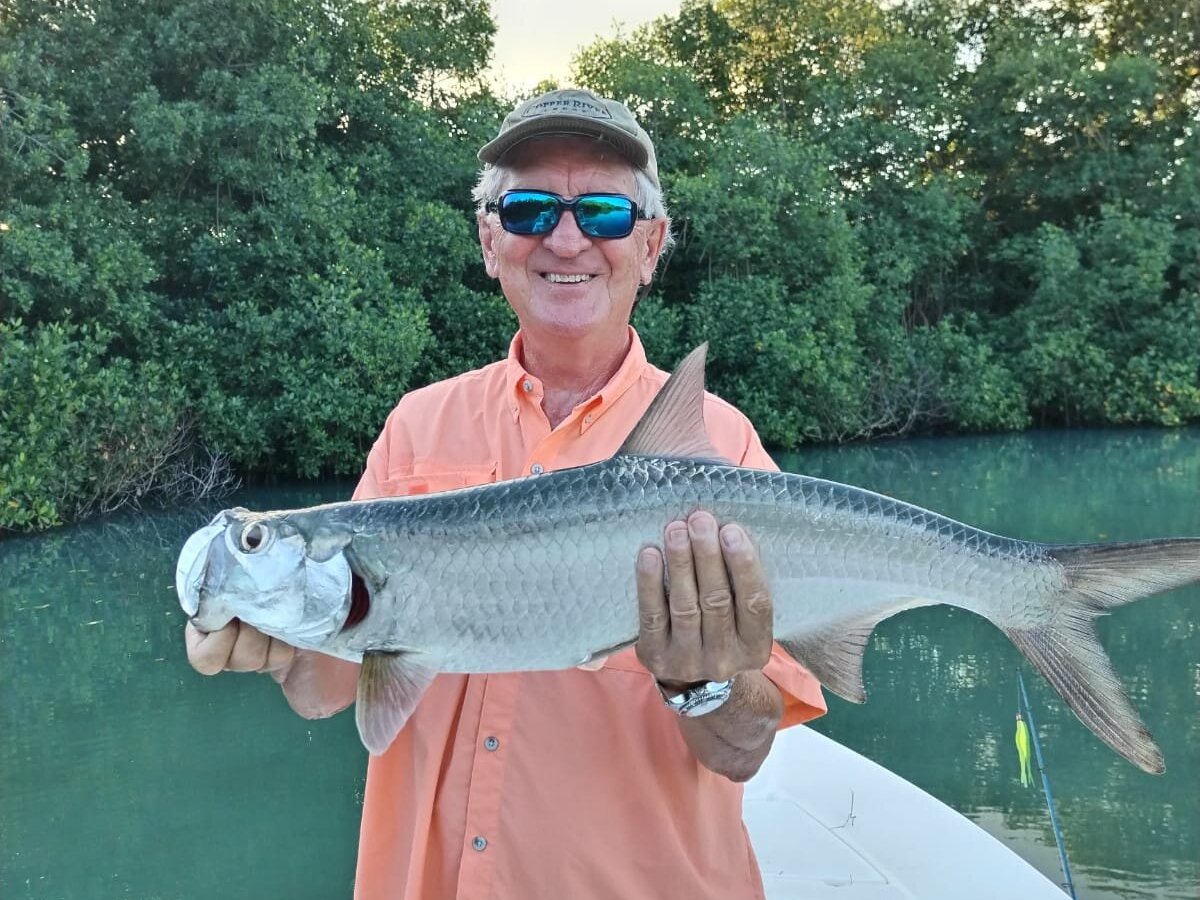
(575,111)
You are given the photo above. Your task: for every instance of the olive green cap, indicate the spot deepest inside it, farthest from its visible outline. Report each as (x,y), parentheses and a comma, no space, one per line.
(575,111)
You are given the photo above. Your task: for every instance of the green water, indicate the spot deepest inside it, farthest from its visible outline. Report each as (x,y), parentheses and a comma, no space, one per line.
(125,774)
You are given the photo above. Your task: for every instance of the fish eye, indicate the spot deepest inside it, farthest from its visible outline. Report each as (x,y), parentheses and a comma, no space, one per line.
(254,536)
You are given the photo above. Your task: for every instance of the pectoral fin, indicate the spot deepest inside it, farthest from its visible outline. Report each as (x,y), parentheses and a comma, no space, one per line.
(595,661)
(389,687)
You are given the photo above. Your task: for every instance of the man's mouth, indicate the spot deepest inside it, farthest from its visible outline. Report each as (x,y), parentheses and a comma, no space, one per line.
(557,278)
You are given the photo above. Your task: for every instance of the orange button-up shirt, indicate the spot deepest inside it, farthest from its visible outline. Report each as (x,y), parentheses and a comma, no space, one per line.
(557,785)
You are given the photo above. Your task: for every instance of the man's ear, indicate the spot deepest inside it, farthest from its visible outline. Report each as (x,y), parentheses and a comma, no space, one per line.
(487,237)
(656,236)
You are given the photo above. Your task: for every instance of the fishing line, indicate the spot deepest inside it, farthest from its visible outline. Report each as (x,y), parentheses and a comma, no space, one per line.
(1028,735)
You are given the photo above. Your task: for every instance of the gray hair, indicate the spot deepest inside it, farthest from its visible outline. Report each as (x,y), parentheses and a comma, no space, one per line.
(495,179)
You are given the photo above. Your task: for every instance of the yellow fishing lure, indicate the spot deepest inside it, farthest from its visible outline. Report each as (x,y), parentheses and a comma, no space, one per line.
(1023,752)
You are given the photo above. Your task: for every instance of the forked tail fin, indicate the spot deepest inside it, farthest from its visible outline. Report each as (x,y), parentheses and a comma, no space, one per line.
(1067,652)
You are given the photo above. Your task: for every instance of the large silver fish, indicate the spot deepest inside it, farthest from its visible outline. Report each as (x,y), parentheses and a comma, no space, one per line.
(501,577)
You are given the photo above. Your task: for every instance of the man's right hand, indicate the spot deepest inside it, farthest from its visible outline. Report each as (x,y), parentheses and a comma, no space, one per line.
(238,647)
(314,684)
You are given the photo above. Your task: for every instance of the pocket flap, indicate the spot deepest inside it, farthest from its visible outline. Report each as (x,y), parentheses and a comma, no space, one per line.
(426,478)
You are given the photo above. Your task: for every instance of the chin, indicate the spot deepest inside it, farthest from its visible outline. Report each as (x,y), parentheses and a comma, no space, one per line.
(568,330)
(567,321)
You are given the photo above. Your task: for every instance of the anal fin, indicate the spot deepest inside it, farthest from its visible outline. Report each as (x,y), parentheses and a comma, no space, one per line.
(835,657)
(390,686)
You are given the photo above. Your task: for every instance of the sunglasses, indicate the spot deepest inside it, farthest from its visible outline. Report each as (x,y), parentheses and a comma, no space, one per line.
(538,212)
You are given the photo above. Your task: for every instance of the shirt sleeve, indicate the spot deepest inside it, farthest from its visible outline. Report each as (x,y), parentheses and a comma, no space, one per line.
(802,697)
(756,456)
(375,472)
(368,484)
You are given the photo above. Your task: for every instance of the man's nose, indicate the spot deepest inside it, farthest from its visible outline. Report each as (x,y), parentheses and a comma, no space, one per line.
(566,239)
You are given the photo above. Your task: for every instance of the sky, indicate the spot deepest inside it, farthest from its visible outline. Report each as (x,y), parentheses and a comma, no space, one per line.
(535,39)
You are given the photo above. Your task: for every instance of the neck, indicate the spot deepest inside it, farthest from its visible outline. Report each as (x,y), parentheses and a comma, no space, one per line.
(571,371)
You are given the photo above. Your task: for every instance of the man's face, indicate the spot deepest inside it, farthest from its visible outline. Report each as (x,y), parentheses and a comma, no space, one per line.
(533,269)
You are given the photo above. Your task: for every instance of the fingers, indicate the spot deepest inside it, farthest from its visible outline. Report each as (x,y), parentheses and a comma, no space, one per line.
(250,650)
(682,597)
(713,617)
(236,648)
(718,629)
(653,615)
(279,657)
(677,654)
(753,609)
(209,652)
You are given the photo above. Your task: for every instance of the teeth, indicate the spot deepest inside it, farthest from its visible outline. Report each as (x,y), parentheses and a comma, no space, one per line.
(566,279)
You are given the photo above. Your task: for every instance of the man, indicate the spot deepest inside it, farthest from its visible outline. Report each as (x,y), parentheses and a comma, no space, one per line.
(576,784)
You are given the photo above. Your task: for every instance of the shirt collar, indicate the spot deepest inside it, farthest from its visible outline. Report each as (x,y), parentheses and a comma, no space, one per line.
(520,384)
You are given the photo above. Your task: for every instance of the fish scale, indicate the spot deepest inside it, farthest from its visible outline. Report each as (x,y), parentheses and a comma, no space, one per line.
(538,573)
(482,554)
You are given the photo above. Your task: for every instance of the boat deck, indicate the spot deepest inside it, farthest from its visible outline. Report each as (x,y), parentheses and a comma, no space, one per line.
(828,823)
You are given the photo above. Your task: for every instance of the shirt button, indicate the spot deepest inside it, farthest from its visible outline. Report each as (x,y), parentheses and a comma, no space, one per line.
(537,469)
(588,419)
(480,843)
(491,743)
(527,385)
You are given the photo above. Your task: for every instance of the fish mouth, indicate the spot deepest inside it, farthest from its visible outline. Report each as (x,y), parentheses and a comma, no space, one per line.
(193,566)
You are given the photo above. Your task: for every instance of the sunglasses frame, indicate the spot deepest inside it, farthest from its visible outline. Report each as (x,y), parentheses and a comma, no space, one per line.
(497,206)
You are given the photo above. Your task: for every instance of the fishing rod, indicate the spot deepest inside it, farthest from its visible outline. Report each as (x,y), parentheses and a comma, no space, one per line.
(1025,736)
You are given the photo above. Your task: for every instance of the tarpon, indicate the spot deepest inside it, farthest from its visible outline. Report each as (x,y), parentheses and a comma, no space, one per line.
(504,577)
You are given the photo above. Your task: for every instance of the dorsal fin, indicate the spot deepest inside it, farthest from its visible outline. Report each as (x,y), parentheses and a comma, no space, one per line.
(674,423)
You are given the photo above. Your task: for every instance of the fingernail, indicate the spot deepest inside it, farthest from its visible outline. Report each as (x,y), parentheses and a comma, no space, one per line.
(677,535)
(646,559)
(702,524)
(731,537)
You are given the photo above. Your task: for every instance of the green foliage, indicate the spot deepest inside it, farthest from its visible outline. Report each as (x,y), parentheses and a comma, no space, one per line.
(39,399)
(76,433)
(235,222)
(1101,339)
(313,379)
(958,379)
(996,222)
(666,97)
(787,313)
(250,224)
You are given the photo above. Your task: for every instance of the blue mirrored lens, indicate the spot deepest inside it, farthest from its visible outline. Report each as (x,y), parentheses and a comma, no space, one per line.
(605,217)
(538,212)
(529,212)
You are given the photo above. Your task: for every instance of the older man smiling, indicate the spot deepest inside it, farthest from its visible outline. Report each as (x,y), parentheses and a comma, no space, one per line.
(618,781)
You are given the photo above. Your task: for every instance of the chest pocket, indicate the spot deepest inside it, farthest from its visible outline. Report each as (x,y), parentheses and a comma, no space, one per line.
(427,476)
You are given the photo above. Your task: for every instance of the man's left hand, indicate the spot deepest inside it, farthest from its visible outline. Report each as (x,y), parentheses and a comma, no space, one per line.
(712,618)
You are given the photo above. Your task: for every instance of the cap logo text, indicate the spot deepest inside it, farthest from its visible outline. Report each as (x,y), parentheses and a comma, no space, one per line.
(572,106)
